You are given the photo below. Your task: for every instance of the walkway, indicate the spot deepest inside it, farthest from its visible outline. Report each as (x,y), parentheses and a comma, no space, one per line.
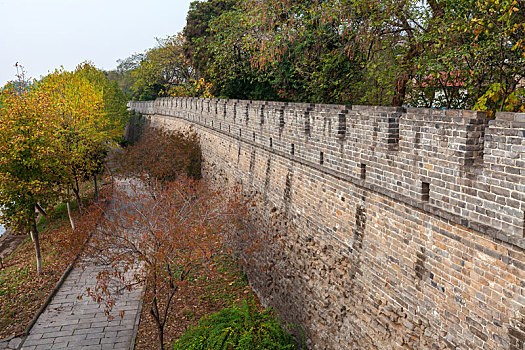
(70,322)
(74,321)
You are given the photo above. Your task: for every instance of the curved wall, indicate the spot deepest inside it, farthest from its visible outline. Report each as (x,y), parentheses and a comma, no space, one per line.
(376,227)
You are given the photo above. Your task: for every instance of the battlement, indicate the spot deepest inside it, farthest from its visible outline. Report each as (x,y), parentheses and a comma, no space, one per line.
(373,227)
(456,164)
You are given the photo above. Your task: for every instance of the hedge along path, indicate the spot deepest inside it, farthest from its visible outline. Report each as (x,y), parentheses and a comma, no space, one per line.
(73,320)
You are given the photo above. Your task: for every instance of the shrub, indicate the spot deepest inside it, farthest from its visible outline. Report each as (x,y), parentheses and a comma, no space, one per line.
(237,328)
(163,155)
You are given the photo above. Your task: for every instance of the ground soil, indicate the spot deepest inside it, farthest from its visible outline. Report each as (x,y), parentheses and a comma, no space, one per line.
(224,286)
(8,243)
(22,291)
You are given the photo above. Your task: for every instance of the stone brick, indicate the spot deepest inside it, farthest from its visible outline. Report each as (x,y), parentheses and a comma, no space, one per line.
(381,269)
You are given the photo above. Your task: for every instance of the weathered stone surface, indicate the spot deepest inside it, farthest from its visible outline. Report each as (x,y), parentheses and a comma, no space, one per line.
(75,321)
(423,249)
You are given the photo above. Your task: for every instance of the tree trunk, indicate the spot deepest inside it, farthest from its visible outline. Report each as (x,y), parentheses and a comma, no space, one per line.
(41,210)
(96,187)
(76,191)
(70,217)
(161,337)
(401,82)
(400,86)
(69,211)
(160,327)
(34,237)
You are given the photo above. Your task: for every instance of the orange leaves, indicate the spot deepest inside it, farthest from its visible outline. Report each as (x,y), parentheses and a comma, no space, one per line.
(163,230)
(163,156)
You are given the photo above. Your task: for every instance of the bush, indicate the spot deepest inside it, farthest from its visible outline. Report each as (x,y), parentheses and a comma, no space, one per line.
(163,155)
(237,328)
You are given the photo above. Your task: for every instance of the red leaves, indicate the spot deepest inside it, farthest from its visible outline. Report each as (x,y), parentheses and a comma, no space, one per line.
(162,156)
(163,227)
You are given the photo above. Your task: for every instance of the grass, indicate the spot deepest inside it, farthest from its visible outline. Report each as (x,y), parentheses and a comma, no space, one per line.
(240,327)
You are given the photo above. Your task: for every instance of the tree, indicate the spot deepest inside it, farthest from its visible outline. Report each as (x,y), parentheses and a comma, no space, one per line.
(87,114)
(29,161)
(54,133)
(395,34)
(122,75)
(162,156)
(475,59)
(498,31)
(78,123)
(436,53)
(197,29)
(217,35)
(114,101)
(164,225)
(453,54)
(159,235)
(307,49)
(115,113)
(160,71)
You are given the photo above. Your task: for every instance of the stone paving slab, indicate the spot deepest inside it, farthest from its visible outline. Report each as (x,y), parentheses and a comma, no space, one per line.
(74,321)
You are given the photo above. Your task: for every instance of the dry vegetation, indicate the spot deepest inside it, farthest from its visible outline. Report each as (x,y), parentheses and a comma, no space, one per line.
(22,291)
(224,285)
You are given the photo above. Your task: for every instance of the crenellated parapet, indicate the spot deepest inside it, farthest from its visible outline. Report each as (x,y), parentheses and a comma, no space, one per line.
(373,227)
(455,164)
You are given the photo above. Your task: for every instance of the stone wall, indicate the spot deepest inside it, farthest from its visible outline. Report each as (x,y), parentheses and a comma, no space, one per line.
(376,228)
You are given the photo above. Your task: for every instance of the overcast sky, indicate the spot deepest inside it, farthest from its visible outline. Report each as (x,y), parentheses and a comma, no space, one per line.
(45,34)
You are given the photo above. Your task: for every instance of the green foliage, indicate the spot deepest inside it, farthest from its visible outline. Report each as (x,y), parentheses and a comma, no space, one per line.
(497,98)
(236,328)
(122,75)
(313,61)
(197,30)
(436,54)
(161,71)
(218,35)
(476,59)
(115,102)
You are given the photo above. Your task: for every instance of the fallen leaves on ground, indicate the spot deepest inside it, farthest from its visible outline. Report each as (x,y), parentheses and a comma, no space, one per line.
(224,286)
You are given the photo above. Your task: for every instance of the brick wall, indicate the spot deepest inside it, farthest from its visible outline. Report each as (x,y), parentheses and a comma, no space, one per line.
(375,227)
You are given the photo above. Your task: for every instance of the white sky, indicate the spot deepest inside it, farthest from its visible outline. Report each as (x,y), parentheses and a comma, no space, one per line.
(45,34)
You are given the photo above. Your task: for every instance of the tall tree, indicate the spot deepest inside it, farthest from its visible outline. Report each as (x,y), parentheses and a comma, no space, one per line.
(217,44)
(79,124)
(394,35)
(114,110)
(161,71)
(498,43)
(29,161)
(122,75)
(307,49)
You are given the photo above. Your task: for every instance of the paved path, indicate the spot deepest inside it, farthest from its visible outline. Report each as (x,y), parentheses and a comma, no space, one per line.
(73,323)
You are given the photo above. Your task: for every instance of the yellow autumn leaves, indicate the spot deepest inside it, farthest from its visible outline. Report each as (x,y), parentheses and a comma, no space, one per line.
(53,133)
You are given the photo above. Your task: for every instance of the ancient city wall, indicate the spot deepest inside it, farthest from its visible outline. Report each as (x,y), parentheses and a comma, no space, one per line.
(385,228)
